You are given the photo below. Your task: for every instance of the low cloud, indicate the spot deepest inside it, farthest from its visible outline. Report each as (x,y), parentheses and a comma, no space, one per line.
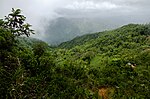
(40,12)
(90,5)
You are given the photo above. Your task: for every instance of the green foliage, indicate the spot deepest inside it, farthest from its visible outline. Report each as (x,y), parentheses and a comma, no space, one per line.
(39,49)
(6,39)
(118,59)
(10,65)
(15,22)
(109,65)
(79,41)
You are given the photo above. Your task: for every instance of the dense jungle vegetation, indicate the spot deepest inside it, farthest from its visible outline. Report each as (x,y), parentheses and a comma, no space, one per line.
(117,61)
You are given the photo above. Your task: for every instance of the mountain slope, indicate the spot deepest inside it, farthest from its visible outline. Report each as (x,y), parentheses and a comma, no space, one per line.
(115,62)
(63,29)
(79,40)
(117,59)
(28,42)
(122,32)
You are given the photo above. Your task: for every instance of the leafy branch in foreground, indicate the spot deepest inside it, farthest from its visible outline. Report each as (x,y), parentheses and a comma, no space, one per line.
(15,22)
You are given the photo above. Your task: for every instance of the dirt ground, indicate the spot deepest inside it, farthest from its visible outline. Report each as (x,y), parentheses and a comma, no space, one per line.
(105,92)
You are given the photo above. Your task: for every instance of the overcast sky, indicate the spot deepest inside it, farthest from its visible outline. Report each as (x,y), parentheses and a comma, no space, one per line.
(38,12)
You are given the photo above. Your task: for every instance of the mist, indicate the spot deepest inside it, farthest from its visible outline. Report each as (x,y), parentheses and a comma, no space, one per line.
(80,16)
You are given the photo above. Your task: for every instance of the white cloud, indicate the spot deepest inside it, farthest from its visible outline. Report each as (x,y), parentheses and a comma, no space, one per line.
(88,5)
(38,12)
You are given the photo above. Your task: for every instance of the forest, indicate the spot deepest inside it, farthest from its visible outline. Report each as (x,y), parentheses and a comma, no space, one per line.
(112,64)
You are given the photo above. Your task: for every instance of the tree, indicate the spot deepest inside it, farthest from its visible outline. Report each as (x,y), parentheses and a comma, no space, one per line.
(15,22)
(12,26)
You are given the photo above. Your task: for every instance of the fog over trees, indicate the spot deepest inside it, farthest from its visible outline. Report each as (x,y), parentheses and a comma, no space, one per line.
(86,15)
(105,52)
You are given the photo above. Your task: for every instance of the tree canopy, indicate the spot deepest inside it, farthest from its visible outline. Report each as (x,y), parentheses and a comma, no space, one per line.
(15,22)
(111,64)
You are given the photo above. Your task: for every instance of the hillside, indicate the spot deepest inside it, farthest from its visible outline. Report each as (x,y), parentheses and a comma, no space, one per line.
(110,64)
(63,29)
(106,58)
(28,42)
(89,37)
(80,40)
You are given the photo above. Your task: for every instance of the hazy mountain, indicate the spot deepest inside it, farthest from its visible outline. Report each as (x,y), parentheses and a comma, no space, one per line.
(66,28)
(60,30)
